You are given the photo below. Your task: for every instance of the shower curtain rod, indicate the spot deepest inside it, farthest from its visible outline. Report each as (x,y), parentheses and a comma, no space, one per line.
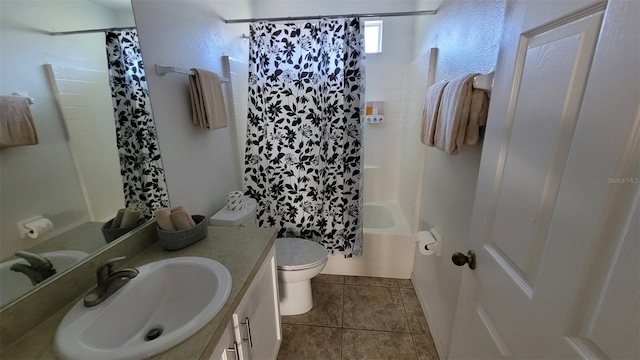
(90,31)
(293,18)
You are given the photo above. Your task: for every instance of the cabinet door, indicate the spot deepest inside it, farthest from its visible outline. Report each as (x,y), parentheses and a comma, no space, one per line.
(257,320)
(227,348)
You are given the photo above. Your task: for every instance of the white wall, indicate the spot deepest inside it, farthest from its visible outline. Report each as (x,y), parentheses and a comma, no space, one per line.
(200,166)
(41,179)
(467,35)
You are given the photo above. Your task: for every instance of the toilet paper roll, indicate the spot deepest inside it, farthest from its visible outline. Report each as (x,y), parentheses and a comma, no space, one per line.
(235,200)
(425,238)
(38,227)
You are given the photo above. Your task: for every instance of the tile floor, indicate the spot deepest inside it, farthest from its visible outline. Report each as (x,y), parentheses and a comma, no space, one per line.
(358,318)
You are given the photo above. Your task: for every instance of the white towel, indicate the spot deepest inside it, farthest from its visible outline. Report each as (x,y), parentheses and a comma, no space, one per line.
(16,123)
(207,100)
(430,113)
(478,111)
(462,109)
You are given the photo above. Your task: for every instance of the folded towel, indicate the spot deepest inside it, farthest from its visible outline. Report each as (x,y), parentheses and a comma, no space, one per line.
(207,100)
(117,220)
(163,217)
(430,113)
(16,123)
(130,217)
(181,219)
(478,111)
(453,115)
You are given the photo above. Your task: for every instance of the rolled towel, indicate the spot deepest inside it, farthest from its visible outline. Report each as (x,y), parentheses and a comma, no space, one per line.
(163,217)
(144,210)
(115,224)
(130,217)
(181,219)
(178,208)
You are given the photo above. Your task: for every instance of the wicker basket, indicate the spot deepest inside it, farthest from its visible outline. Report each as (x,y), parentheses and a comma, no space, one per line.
(112,234)
(176,240)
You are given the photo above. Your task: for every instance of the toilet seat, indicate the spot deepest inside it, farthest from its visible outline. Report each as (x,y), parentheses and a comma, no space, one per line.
(299,254)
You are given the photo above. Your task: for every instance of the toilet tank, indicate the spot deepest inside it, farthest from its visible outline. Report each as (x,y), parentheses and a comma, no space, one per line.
(245,217)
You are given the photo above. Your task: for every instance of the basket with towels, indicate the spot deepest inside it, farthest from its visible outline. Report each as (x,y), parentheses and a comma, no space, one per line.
(178,229)
(124,221)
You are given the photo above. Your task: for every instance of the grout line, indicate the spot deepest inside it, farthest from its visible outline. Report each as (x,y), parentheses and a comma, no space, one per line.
(344,301)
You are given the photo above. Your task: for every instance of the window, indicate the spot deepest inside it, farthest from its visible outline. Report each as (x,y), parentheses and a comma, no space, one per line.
(373,36)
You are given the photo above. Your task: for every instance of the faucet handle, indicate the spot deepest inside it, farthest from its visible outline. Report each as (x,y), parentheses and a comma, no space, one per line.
(106,268)
(34,260)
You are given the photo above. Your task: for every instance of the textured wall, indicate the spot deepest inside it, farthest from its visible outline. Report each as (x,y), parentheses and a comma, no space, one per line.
(200,166)
(467,35)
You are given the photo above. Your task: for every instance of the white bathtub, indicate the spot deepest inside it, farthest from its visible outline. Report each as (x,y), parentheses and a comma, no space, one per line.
(388,245)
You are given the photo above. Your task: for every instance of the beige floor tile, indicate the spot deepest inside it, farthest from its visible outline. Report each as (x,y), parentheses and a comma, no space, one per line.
(301,342)
(327,307)
(372,345)
(370,281)
(405,283)
(374,308)
(425,347)
(327,278)
(415,315)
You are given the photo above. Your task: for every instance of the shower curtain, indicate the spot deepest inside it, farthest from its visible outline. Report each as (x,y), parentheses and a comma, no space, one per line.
(140,162)
(303,160)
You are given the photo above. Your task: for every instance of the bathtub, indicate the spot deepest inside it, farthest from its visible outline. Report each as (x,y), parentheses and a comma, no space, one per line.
(388,245)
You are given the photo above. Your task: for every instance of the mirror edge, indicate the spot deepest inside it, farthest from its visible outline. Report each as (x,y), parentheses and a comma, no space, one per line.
(69,285)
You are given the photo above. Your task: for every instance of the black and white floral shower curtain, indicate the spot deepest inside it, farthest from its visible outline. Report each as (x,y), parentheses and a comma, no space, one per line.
(304,153)
(140,161)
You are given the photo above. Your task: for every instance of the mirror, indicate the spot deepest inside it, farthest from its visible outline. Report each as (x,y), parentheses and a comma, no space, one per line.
(72,177)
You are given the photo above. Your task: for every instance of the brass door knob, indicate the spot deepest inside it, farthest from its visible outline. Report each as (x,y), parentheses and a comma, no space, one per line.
(460,259)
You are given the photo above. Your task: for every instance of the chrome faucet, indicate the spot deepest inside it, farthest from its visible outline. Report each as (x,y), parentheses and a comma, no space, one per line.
(38,270)
(108,281)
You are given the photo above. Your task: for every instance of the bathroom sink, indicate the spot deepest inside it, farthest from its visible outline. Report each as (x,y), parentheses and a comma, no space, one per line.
(14,284)
(166,303)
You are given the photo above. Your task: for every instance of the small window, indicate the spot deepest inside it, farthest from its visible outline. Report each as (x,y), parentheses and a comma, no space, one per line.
(373,36)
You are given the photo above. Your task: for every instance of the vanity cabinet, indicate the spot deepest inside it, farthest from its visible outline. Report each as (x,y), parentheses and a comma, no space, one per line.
(254,331)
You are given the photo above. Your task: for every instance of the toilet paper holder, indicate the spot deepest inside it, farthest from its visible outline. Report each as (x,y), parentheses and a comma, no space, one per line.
(430,242)
(34,227)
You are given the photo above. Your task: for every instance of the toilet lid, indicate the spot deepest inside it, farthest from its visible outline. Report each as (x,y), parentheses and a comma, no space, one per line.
(298,254)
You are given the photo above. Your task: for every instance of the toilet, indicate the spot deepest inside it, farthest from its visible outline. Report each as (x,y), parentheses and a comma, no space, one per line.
(298,260)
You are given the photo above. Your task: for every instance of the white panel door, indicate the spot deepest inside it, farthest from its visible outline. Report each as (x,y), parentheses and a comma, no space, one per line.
(555,218)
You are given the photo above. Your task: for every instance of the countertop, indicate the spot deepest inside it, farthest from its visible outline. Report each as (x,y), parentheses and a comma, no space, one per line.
(241,250)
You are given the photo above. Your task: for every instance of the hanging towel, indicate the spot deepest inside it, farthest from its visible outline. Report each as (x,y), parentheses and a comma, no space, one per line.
(478,111)
(430,113)
(453,115)
(16,123)
(207,101)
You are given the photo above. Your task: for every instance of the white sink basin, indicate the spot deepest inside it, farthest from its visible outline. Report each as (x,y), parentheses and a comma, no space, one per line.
(178,296)
(14,284)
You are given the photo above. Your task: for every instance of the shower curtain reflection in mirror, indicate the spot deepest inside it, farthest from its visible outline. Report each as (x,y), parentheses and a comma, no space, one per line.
(303,160)
(140,160)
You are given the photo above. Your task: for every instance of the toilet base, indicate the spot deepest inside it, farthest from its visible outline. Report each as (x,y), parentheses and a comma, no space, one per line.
(295,298)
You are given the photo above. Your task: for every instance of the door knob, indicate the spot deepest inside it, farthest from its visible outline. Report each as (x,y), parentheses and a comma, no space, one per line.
(460,259)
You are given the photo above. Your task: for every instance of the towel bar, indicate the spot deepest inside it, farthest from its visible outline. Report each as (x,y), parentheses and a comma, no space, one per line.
(24,95)
(484,82)
(162,70)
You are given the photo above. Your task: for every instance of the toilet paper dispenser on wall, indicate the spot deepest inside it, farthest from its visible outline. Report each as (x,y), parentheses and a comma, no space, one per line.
(429,242)
(34,227)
